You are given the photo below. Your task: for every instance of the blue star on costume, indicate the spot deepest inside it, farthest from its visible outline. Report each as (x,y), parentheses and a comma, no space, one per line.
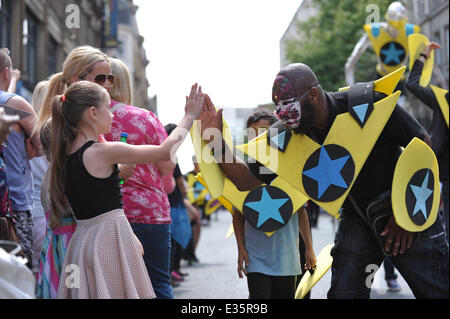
(392,54)
(327,172)
(267,207)
(421,193)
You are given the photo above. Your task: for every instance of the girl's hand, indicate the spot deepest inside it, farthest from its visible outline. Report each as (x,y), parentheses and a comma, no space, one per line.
(310,259)
(194,103)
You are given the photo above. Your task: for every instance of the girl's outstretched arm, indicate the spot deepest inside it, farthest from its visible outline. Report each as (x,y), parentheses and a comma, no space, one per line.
(116,152)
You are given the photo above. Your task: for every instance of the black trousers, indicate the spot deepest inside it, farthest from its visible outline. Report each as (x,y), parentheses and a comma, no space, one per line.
(263,286)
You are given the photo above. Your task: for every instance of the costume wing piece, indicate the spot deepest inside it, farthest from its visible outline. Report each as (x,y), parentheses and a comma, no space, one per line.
(417,43)
(325,173)
(415,187)
(324,261)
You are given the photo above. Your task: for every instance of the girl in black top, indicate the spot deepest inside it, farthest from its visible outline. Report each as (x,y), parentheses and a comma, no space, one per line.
(103,258)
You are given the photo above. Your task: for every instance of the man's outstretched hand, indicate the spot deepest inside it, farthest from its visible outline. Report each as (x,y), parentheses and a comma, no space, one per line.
(210,119)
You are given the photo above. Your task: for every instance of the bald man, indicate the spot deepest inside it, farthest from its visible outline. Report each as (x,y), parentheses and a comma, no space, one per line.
(304,108)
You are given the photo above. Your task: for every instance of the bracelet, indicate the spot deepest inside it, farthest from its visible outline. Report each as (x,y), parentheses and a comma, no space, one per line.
(424,56)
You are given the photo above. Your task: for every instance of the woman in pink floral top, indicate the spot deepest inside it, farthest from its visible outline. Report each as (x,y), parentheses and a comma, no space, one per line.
(145,200)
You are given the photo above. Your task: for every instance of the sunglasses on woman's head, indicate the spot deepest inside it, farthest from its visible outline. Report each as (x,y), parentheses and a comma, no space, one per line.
(101,78)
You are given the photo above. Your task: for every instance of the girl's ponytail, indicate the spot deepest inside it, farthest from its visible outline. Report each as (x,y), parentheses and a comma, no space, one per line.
(61,136)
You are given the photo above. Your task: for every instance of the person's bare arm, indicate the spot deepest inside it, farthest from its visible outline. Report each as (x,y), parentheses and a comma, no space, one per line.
(305,232)
(165,168)
(238,226)
(14,79)
(27,124)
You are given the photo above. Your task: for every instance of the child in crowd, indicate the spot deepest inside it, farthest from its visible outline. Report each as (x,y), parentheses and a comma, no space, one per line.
(104,256)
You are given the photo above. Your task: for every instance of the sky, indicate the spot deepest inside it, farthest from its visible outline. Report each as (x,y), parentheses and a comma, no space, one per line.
(230,47)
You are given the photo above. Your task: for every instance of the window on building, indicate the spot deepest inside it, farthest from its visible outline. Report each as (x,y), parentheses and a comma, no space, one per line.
(30,26)
(5,24)
(437,53)
(52,56)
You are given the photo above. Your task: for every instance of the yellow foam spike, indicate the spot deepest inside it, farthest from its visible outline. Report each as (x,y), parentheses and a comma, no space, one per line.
(386,84)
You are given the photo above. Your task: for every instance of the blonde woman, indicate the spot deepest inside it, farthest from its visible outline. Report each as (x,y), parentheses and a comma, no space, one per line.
(83,63)
(145,201)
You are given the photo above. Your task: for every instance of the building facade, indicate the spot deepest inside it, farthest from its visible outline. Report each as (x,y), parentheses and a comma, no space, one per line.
(40,34)
(131,51)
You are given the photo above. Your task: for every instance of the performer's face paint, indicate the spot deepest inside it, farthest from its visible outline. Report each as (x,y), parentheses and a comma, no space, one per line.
(296,113)
(289,112)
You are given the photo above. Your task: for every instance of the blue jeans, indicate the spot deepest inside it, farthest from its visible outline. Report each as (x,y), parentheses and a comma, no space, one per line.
(356,254)
(155,240)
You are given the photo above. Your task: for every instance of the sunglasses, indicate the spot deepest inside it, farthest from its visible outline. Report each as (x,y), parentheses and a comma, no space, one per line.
(101,78)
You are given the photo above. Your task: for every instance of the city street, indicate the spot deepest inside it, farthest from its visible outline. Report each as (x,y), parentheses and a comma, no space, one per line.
(215,277)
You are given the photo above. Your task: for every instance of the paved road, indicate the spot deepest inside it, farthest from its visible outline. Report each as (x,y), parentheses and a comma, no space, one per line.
(215,277)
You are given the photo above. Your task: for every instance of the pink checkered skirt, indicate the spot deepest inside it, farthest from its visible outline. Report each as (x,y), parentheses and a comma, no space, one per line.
(103,261)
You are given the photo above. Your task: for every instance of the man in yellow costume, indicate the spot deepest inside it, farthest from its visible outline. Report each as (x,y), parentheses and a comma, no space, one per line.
(307,117)
(389,41)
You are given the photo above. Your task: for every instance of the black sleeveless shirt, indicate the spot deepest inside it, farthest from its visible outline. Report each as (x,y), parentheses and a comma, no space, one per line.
(90,196)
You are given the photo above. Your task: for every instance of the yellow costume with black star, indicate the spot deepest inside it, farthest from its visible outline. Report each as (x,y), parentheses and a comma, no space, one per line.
(392,51)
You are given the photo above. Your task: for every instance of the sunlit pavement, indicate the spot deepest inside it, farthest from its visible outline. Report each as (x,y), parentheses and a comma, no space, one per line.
(215,276)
